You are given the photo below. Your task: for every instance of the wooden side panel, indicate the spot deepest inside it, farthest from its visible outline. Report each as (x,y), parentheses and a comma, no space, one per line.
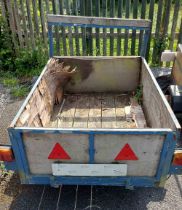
(104,74)
(177,68)
(39,146)
(156,108)
(146,147)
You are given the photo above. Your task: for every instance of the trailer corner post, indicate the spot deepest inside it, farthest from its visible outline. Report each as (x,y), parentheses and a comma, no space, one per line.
(19,153)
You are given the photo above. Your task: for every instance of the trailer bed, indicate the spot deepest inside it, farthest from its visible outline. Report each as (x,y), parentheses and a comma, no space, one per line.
(93,111)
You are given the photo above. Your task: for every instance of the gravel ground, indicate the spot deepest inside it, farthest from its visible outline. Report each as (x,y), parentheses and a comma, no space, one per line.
(20,197)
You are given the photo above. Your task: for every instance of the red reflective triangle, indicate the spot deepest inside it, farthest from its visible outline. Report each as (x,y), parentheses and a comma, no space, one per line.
(126,153)
(58,153)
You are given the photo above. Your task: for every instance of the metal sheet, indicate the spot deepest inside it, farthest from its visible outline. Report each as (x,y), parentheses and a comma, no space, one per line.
(105,170)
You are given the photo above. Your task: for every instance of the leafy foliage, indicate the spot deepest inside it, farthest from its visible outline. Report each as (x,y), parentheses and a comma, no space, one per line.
(17,66)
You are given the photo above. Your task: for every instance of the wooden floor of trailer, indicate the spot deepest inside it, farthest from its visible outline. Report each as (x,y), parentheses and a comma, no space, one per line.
(93,111)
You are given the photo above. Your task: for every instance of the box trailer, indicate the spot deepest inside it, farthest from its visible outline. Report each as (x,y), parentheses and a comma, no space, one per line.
(94,120)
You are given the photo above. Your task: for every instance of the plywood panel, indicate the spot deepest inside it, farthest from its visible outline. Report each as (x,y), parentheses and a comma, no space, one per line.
(103,74)
(39,146)
(156,108)
(146,147)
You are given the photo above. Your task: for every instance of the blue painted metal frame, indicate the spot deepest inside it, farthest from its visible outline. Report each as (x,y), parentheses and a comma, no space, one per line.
(27,178)
(144,43)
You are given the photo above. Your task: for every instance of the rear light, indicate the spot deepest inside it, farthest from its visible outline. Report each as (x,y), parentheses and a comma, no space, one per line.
(177,158)
(6,154)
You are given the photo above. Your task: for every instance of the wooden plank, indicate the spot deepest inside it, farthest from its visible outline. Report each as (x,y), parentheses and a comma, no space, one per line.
(43,22)
(3,11)
(137,114)
(177,68)
(89,41)
(66,117)
(56,28)
(180,33)
(160,114)
(98,21)
(47,6)
(112,14)
(143,10)
(97,5)
(81,112)
(151,14)
(82,13)
(17,20)
(175,19)
(70,38)
(108,111)
(122,103)
(94,119)
(61,4)
(120,8)
(36,21)
(75,6)
(157,28)
(24,24)
(28,6)
(104,29)
(12,24)
(127,3)
(135,13)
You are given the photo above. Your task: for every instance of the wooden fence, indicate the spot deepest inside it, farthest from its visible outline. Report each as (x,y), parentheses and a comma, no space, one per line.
(27,22)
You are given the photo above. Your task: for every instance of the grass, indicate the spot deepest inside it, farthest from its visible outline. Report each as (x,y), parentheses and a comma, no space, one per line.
(13,83)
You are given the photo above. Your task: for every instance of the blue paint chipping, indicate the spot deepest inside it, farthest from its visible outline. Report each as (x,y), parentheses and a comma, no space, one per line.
(162,171)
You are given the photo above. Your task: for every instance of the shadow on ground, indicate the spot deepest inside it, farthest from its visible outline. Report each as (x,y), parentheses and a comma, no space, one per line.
(81,197)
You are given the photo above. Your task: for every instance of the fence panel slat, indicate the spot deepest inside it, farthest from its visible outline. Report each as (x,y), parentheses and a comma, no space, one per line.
(3,10)
(135,12)
(165,18)
(30,23)
(157,28)
(127,4)
(43,22)
(89,40)
(47,6)
(12,24)
(17,21)
(180,33)
(112,14)
(56,28)
(104,7)
(97,5)
(151,15)
(36,21)
(75,6)
(143,10)
(120,8)
(82,13)
(61,6)
(70,38)
(174,24)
